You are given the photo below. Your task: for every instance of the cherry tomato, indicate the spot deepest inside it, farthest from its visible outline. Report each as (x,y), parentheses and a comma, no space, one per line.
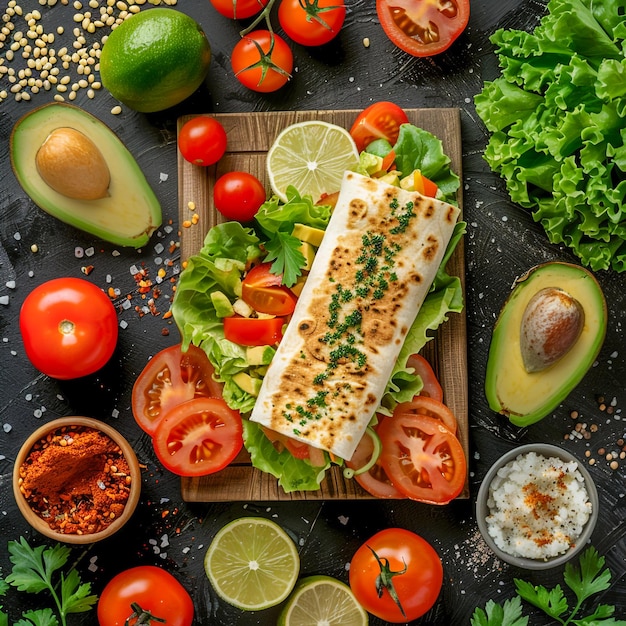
(144,588)
(198,437)
(414,567)
(69,328)
(432,387)
(262,61)
(238,195)
(170,378)
(311,22)
(375,481)
(252,331)
(423,27)
(423,458)
(202,140)
(381,120)
(264,292)
(239,9)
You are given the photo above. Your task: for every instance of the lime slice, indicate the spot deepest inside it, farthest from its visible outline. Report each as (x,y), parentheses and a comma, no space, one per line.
(252,563)
(312,156)
(322,601)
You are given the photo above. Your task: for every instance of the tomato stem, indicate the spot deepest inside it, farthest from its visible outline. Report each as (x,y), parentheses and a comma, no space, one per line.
(263,15)
(142,617)
(384,580)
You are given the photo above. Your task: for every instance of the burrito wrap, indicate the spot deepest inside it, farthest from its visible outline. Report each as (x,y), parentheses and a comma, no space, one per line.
(380,253)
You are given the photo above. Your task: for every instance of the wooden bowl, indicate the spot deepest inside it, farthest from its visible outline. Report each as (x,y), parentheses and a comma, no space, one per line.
(77,537)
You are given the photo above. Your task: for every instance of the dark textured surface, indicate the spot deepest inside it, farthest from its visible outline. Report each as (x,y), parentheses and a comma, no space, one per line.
(502,242)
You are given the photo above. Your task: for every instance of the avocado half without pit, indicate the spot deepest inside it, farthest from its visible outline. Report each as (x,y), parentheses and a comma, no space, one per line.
(75,168)
(547,336)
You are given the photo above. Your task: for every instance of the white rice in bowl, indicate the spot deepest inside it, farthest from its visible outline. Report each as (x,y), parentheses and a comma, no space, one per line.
(538,506)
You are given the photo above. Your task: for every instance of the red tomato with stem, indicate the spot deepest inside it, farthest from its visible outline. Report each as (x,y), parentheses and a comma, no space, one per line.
(262,61)
(238,195)
(265,293)
(170,378)
(432,387)
(239,9)
(202,140)
(136,594)
(312,22)
(423,459)
(423,27)
(253,331)
(381,120)
(408,568)
(69,328)
(198,437)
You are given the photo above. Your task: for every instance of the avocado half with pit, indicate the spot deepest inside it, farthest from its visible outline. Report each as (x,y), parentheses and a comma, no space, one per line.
(547,336)
(75,167)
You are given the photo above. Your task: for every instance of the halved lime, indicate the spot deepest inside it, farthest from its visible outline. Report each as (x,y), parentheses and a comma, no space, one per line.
(252,563)
(312,156)
(322,601)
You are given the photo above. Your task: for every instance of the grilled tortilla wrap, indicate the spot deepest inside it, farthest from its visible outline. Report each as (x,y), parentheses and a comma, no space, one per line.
(376,263)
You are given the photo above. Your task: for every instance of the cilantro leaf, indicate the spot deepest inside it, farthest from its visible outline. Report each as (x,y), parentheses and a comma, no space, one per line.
(284,250)
(507,614)
(588,579)
(552,602)
(4,618)
(42,617)
(3,587)
(75,596)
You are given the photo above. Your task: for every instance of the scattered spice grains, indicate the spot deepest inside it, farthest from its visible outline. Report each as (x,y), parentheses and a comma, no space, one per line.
(612,454)
(76,479)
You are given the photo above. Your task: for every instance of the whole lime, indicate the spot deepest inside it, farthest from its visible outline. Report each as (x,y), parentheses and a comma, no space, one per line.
(155,59)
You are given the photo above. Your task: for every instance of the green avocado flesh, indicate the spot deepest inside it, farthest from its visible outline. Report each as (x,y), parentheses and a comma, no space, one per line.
(130,212)
(527,397)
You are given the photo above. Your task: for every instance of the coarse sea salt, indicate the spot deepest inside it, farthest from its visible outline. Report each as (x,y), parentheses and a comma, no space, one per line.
(538,506)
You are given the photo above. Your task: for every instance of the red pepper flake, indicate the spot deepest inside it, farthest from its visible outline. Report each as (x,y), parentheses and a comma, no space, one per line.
(87,269)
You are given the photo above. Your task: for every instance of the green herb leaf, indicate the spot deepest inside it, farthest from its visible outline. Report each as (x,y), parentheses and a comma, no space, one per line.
(284,250)
(75,596)
(552,602)
(41,617)
(3,587)
(507,614)
(589,578)
(4,618)
(33,567)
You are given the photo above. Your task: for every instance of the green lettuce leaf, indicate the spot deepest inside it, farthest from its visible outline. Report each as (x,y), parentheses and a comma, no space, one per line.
(557,118)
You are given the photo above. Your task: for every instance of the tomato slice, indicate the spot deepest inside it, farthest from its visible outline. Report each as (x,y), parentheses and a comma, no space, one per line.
(423,405)
(432,388)
(264,292)
(423,27)
(381,120)
(172,377)
(375,481)
(254,331)
(198,437)
(424,460)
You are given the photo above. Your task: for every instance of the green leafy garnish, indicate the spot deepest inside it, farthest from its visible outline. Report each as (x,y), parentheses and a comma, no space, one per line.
(41,569)
(557,116)
(586,580)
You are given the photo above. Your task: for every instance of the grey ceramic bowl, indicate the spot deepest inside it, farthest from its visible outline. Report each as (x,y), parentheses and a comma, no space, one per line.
(482,510)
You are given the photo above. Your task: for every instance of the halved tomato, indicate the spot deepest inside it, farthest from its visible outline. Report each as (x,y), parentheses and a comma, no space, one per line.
(424,405)
(172,377)
(375,481)
(381,120)
(198,437)
(253,331)
(423,27)
(265,293)
(432,387)
(423,459)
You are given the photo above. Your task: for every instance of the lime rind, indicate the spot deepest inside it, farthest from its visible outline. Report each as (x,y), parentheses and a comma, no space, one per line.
(252,564)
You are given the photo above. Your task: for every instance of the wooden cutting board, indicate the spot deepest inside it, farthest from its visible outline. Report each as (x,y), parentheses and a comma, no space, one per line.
(250,135)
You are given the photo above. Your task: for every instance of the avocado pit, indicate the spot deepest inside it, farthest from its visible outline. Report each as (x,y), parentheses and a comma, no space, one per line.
(551,325)
(71,164)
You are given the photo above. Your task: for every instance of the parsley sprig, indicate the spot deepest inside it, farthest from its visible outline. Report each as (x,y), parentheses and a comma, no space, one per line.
(586,580)
(41,569)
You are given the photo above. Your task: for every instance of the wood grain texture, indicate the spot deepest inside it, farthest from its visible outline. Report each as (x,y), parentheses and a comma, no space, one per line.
(250,136)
